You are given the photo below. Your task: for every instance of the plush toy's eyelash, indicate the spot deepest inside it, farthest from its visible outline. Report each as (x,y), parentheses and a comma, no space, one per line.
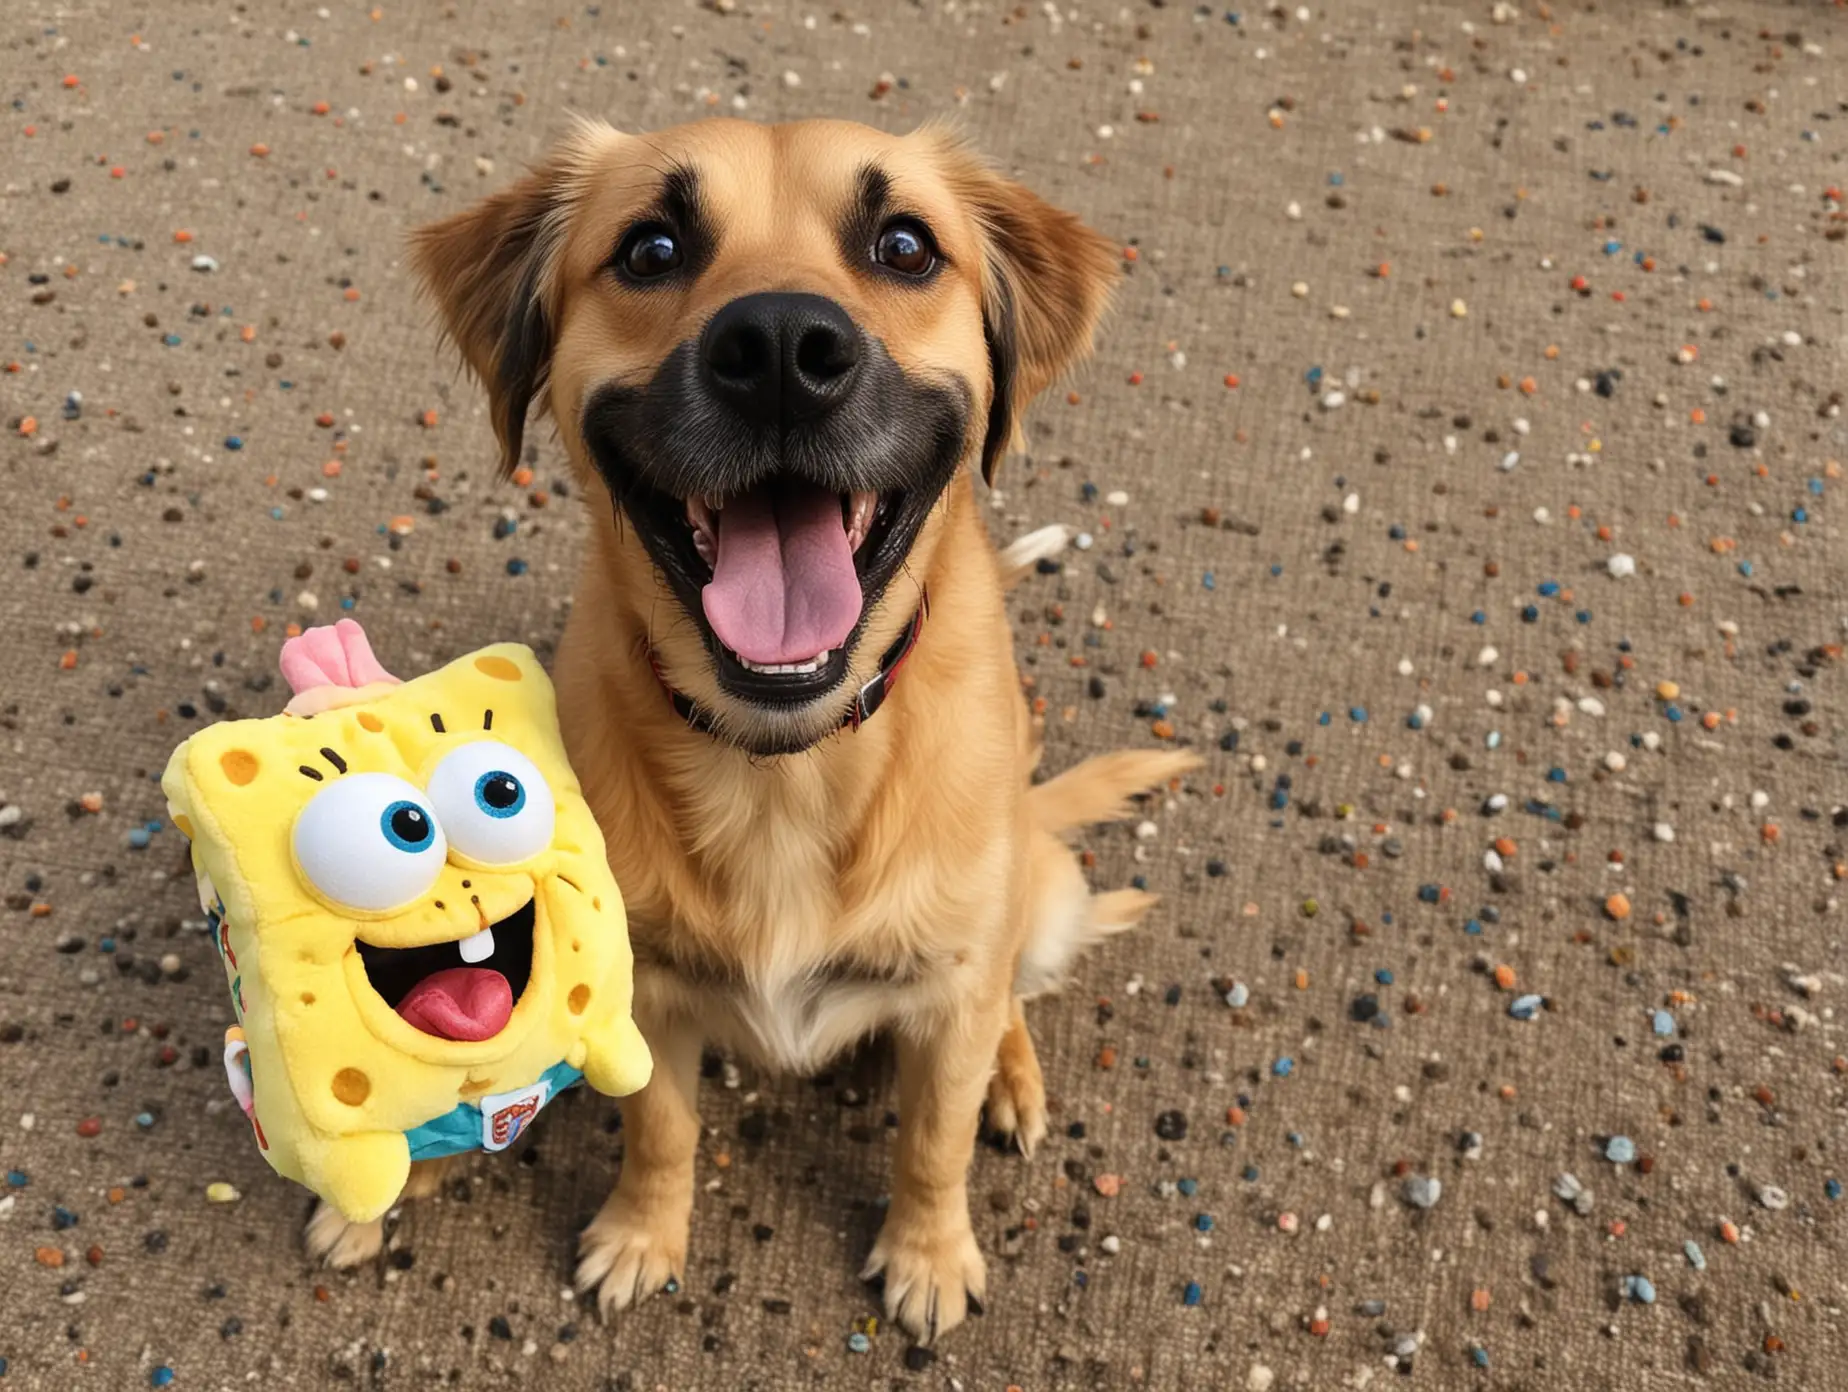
(436,723)
(313,773)
(334,759)
(487,720)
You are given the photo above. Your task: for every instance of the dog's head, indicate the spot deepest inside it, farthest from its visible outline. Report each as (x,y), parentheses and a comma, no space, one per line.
(774,347)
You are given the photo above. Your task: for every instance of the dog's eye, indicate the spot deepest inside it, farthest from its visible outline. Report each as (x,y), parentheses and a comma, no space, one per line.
(904,247)
(647,252)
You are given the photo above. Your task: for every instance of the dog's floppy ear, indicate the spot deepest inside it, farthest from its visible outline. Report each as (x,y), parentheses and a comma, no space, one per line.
(489,268)
(1047,280)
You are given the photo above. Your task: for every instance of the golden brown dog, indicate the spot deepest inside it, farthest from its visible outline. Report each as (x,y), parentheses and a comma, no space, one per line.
(777,356)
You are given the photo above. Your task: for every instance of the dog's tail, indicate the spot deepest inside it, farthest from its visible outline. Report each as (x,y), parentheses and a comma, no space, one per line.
(1067,917)
(1099,789)
(1023,553)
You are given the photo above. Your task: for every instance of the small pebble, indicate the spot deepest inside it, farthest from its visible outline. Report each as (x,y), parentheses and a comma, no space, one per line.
(1423,1191)
(1525,1007)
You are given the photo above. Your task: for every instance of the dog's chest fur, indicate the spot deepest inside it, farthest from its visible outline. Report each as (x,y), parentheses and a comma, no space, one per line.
(794,932)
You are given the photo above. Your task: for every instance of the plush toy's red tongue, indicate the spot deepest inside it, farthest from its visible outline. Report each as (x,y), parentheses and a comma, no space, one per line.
(783,586)
(466,1003)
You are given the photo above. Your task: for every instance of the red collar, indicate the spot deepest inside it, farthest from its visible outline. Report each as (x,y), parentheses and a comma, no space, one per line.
(866,701)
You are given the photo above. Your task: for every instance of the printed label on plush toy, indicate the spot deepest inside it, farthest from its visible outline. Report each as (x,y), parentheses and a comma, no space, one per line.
(506,1115)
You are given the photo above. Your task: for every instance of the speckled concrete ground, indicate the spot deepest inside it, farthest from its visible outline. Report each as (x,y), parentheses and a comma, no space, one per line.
(1437,321)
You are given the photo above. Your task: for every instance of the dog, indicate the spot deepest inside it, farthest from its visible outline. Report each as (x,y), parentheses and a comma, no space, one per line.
(777,356)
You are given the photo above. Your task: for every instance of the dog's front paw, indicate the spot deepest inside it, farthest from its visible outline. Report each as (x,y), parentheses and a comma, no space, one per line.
(933,1272)
(333,1238)
(630,1251)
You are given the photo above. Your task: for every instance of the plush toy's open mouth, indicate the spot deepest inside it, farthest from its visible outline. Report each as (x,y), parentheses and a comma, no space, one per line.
(463,989)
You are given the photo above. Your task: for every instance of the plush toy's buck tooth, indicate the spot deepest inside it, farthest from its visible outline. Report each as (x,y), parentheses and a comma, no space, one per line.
(477,947)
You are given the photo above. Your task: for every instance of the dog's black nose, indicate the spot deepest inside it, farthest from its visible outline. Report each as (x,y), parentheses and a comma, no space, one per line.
(781,359)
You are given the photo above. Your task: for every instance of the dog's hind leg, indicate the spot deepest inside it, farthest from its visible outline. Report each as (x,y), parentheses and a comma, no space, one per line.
(1017,1092)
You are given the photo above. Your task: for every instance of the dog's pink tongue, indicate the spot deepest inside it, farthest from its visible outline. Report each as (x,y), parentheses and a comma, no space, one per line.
(783,586)
(465,1003)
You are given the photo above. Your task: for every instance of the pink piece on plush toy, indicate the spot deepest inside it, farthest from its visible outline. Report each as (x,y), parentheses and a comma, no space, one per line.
(336,656)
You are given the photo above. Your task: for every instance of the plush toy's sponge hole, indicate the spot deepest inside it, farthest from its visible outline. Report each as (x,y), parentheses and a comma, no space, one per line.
(179,820)
(240,765)
(500,668)
(579,998)
(351,1087)
(369,721)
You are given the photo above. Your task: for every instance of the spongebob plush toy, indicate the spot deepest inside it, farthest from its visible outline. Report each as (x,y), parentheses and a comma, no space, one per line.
(422,936)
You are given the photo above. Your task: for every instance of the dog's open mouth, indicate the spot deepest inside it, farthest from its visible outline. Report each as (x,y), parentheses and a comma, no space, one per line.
(464,989)
(777,525)
(784,573)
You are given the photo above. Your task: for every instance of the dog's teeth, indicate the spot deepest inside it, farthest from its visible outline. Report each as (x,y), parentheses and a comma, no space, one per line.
(785,669)
(700,517)
(477,947)
(859,509)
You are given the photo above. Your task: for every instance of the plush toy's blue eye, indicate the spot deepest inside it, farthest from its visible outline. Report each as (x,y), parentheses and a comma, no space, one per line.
(493,803)
(500,794)
(408,827)
(369,842)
